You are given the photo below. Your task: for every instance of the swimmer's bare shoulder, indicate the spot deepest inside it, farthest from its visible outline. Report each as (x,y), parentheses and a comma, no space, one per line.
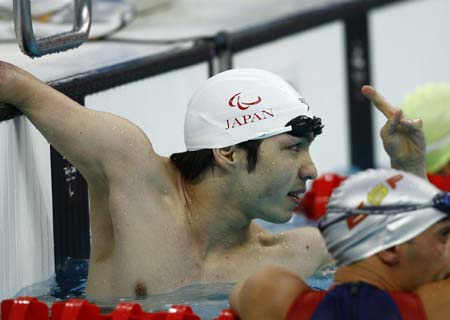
(435,297)
(301,250)
(308,243)
(284,287)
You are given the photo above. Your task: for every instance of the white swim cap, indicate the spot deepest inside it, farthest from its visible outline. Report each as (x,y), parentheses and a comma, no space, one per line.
(378,209)
(240,105)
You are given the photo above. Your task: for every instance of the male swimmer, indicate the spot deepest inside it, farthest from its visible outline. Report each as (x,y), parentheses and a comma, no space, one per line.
(159,223)
(389,232)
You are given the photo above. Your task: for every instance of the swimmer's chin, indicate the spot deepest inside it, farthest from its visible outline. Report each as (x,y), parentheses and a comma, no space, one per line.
(282,218)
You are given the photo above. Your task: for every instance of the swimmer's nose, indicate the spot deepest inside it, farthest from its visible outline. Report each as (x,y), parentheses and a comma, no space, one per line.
(307,170)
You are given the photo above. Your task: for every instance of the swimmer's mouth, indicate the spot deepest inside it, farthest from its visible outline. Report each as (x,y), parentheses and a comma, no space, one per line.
(296,195)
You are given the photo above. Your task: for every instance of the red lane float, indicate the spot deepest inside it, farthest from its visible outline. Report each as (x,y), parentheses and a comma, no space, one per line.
(30,308)
(440,181)
(314,201)
(24,308)
(227,314)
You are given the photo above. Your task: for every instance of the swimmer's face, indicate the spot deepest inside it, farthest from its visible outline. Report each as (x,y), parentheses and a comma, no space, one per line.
(427,257)
(278,182)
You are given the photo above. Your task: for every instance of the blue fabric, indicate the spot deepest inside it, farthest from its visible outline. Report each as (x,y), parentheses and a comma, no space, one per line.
(70,279)
(357,301)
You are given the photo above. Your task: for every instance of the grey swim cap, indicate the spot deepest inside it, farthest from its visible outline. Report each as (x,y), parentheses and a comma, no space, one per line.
(376,209)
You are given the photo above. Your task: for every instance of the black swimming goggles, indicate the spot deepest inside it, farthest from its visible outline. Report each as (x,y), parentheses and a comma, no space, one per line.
(303,125)
(440,201)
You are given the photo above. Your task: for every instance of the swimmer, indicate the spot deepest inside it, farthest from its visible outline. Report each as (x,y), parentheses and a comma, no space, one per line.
(389,232)
(436,126)
(159,224)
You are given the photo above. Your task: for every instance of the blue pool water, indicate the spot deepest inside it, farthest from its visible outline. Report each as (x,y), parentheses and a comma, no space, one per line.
(205,299)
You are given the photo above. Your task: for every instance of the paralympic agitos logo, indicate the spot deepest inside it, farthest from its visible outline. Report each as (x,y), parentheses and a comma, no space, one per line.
(236,102)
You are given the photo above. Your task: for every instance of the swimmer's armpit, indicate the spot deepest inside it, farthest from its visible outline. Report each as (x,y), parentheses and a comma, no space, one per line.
(8,112)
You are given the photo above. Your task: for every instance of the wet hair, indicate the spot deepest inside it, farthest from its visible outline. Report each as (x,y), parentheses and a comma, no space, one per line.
(193,164)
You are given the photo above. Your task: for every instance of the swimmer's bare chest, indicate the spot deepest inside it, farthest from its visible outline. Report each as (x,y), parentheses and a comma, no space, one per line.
(151,260)
(142,245)
(143,270)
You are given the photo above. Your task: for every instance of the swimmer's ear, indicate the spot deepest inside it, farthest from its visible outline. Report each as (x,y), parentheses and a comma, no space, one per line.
(390,256)
(226,158)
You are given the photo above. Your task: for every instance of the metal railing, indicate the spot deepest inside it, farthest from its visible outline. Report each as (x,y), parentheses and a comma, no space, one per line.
(33,47)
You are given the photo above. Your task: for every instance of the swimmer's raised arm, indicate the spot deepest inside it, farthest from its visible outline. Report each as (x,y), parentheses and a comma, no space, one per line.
(403,139)
(96,143)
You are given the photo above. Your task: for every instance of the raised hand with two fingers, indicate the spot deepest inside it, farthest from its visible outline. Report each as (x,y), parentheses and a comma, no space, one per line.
(403,139)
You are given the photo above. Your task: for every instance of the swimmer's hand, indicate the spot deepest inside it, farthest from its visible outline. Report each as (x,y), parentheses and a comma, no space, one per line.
(403,139)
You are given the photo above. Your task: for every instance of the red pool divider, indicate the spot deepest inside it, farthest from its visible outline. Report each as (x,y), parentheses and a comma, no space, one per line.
(30,308)
(227,314)
(24,308)
(315,200)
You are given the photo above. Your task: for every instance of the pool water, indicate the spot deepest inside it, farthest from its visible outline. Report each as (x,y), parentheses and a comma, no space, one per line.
(205,299)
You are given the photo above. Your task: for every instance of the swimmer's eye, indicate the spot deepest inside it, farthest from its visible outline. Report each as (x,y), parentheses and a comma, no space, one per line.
(444,234)
(298,146)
